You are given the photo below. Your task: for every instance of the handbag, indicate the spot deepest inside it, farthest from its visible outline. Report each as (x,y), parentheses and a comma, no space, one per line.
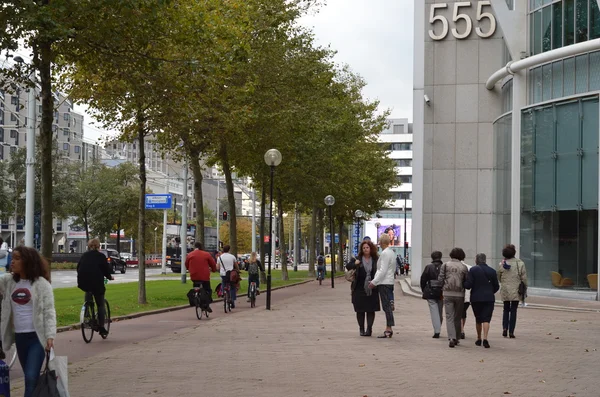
(59,364)
(522,285)
(350,275)
(47,383)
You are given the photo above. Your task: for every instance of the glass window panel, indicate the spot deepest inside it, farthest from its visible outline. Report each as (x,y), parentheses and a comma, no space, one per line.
(567,164)
(537,85)
(527,127)
(543,171)
(594,20)
(557,23)
(537,3)
(546,29)
(589,177)
(537,32)
(595,71)
(557,79)
(581,18)
(545,227)
(569,22)
(547,82)
(588,246)
(581,77)
(569,76)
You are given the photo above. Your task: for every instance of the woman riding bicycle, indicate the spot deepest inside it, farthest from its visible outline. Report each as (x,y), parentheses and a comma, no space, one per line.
(254,267)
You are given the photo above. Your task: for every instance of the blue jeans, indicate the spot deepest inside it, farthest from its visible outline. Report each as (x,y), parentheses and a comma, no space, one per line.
(254,278)
(232,292)
(31,356)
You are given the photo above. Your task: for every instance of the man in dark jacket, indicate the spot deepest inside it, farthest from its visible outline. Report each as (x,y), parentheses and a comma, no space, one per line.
(91,270)
(432,291)
(482,280)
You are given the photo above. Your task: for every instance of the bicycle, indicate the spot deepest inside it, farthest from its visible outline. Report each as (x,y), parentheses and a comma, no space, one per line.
(320,276)
(200,308)
(252,294)
(89,320)
(227,298)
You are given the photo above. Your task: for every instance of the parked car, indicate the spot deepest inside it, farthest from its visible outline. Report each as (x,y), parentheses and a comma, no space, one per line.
(115,261)
(126,256)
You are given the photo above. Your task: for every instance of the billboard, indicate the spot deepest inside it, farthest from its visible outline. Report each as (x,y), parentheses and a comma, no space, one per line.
(394,227)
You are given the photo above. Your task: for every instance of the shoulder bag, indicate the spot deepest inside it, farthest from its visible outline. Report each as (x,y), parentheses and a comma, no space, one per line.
(350,275)
(522,286)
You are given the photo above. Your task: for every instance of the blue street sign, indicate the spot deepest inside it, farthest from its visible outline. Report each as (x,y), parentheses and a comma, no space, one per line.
(159,201)
(328,238)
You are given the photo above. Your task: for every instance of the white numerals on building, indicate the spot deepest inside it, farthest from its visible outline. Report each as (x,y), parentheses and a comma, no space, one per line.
(457,16)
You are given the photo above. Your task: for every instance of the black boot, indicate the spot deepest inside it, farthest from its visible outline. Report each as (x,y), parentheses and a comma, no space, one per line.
(369,331)
(362,331)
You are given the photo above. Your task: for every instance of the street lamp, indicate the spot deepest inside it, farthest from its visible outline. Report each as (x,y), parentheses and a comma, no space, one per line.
(405,243)
(329,202)
(273,159)
(29,162)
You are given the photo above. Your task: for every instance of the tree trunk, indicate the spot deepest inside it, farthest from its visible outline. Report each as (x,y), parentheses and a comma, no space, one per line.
(282,246)
(87,228)
(312,243)
(340,261)
(197,171)
(321,231)
(230,200)
(263,203)
(141,243)
(44,62)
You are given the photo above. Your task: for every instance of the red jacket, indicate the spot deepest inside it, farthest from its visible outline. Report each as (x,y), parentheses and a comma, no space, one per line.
(200,263)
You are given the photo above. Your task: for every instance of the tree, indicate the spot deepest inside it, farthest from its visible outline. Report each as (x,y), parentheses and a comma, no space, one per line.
(244,236)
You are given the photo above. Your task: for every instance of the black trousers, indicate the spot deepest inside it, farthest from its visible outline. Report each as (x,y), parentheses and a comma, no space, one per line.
(100,306)
(509,317)
(206,286)
(360,317)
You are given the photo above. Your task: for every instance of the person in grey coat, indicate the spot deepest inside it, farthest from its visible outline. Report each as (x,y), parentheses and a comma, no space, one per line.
(452,277)
(511,272)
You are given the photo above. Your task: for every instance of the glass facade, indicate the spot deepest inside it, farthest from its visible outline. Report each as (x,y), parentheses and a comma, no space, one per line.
(558,23)
(502,183)
(559,192)
(566,77)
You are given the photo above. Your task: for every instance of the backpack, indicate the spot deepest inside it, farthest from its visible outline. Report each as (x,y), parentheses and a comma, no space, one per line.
(253,268)
(320,260)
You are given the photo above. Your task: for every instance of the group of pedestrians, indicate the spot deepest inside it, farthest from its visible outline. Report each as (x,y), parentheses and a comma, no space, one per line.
(373,285)
(454,285)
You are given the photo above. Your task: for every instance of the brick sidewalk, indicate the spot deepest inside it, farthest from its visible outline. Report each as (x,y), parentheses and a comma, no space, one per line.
(309,346)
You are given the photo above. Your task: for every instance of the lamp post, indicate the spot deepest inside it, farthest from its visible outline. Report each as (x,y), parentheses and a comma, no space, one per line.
(358,214)
(405,244)
(29,162)
(273,159)
(329,202)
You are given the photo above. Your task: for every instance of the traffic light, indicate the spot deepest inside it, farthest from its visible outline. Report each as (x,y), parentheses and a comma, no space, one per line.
(224,215)
(406,244)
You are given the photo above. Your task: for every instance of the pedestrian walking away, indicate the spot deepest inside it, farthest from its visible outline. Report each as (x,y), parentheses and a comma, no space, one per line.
(432,291)
(364,299)
(384,280)
(28,317)
(511,273)
(466,305)
(200,263)
(452,276)
(483,283)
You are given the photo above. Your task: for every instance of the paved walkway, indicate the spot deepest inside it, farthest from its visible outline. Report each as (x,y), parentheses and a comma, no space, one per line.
(309,346)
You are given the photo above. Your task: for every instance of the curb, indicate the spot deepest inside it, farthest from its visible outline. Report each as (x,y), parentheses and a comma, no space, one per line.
(77,326)
(409,290)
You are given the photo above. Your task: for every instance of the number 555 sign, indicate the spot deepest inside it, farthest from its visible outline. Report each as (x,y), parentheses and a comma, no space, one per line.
(456,16)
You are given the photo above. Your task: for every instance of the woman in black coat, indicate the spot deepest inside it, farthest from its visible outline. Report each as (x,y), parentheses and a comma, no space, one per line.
(365,300)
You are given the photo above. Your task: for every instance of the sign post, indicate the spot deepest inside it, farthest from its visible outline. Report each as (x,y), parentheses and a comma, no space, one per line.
(161,202)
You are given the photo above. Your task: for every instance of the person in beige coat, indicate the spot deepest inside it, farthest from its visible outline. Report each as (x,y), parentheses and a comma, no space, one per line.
(511,271)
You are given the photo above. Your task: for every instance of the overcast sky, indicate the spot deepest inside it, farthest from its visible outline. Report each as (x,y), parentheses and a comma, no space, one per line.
(374,37)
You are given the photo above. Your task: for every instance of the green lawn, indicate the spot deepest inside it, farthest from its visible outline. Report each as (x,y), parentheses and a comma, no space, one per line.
(160,294)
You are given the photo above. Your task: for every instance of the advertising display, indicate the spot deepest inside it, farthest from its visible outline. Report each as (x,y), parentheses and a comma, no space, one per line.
(394,227)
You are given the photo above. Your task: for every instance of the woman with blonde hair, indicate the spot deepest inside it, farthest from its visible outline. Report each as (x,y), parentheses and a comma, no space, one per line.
(254,267)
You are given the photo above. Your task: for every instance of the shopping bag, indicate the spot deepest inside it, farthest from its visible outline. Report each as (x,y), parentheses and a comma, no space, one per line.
(4,379)
(59,364)
(46,384)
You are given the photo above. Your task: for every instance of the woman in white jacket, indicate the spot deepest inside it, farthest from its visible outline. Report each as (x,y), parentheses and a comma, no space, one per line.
(28,316)
(384,280)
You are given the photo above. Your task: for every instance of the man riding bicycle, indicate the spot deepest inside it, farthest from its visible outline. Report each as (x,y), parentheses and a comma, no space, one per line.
(321,271)
(226,264)
(200,263)
(92,268)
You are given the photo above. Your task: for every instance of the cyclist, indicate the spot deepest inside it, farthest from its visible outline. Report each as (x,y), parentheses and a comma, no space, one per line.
(254,266)
(321,266)
(200,263)
(92,268)
(226,263)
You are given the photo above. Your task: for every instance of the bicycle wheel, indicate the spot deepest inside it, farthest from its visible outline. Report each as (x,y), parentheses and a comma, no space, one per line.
(87,318)
(107,320)
(198,307)
(226,300)
(253,295)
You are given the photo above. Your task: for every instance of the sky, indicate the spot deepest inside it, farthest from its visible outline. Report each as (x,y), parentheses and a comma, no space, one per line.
(374,37)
